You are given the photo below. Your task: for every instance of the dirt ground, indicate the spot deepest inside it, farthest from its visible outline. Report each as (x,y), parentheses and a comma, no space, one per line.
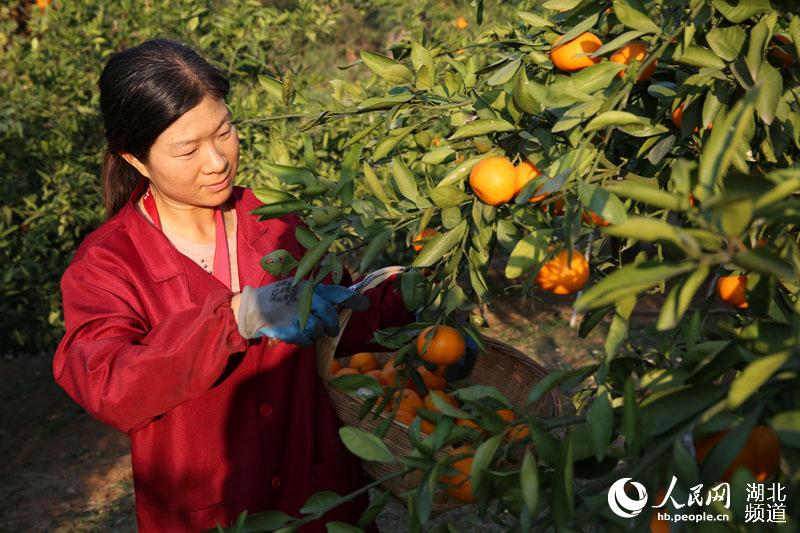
(62,471)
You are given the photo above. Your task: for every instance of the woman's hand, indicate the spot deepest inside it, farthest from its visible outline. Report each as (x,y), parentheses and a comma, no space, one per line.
(271,311)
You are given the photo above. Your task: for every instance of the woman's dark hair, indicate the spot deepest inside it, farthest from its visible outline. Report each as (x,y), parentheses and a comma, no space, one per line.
(143,90)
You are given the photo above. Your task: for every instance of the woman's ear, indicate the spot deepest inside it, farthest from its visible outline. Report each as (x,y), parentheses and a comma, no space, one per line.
(135,163)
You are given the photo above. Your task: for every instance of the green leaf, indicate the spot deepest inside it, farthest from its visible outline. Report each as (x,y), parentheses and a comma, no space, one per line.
(481,127)
(438,155)
(738,11)
(601,422)
(446,408)
(615,118)
(680,297)
(483,458)
(727,42)
(769,95)
(365,445)
(611,46)
(406,184)
(440,245)
(304,304)
(448,196)
(631,421)
(505,73)
(341,527)
(663,411)
(787,427)
(644,229)
(376,245)
(556,378)
(618,330)
(648,194)
(279,263)
(312,257)
(527,253)
(388,143)
(374,184)
(420,56)
(723,142)
(319,502)
(633,14)
(562,495)
(602,202)
(753,376)
(629,280)
(698,56)
(266,521)
(529,481)
(764,261)
(477,393)
(385,102)
(387,68)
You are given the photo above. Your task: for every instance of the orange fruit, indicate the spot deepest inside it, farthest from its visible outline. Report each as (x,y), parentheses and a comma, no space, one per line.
(441,394)
(515,432)
(427,233)
(345,371)
(335,366)
(446,346)
(732,290)
(493,180)
(781,52)
(375,374)
(431,380)
(568,56)
(691,200)
(761,453)
(410,402)
(459,486)
(595,219)
(467,423)
(560,277)
(634,51)
(404,416)
(526,171)
(42,4)
(461,23)
(558,207)
(677,115)
(426,426)
(364,362)
(388,373)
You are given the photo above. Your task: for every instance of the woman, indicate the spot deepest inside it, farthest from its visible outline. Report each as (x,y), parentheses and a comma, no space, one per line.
(160,342)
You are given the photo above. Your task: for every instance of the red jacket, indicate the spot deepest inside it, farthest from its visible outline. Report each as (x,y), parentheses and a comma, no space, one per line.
(218,424)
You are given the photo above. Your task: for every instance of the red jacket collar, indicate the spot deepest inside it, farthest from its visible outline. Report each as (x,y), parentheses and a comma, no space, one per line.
(147,238)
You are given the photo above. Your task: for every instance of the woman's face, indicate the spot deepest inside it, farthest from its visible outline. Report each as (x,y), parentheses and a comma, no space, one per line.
(194,161)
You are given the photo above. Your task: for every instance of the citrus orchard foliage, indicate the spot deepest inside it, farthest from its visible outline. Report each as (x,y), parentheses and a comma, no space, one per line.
(51,139)
(666,136)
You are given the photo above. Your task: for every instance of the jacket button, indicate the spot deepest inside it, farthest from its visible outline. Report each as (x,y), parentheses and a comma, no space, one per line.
(276,482)
(265,410)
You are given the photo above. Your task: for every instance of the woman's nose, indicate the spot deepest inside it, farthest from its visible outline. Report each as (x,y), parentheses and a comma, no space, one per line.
(217,162)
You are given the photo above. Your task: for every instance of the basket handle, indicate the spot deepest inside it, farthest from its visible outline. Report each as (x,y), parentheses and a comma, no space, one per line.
(326,346)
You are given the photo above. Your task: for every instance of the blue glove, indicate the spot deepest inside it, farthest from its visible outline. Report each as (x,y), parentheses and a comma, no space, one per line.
(271,311)
(462,368)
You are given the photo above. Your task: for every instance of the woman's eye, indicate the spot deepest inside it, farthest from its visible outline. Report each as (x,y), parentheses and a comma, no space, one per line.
(188,153)
(227,133)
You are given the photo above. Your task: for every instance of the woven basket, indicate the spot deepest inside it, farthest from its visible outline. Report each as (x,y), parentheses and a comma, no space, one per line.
(510,371)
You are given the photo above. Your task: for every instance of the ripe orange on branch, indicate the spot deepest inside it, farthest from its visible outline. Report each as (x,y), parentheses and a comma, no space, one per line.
(732,290)
(431,380)
(526,171)
(494,180)
(761,453)
(446,345)
(459,485)
(569,56)
(425,234)
(630,52)
(562,275)
(595,219)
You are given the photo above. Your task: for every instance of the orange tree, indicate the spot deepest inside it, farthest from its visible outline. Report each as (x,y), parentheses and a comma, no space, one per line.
(664,138)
